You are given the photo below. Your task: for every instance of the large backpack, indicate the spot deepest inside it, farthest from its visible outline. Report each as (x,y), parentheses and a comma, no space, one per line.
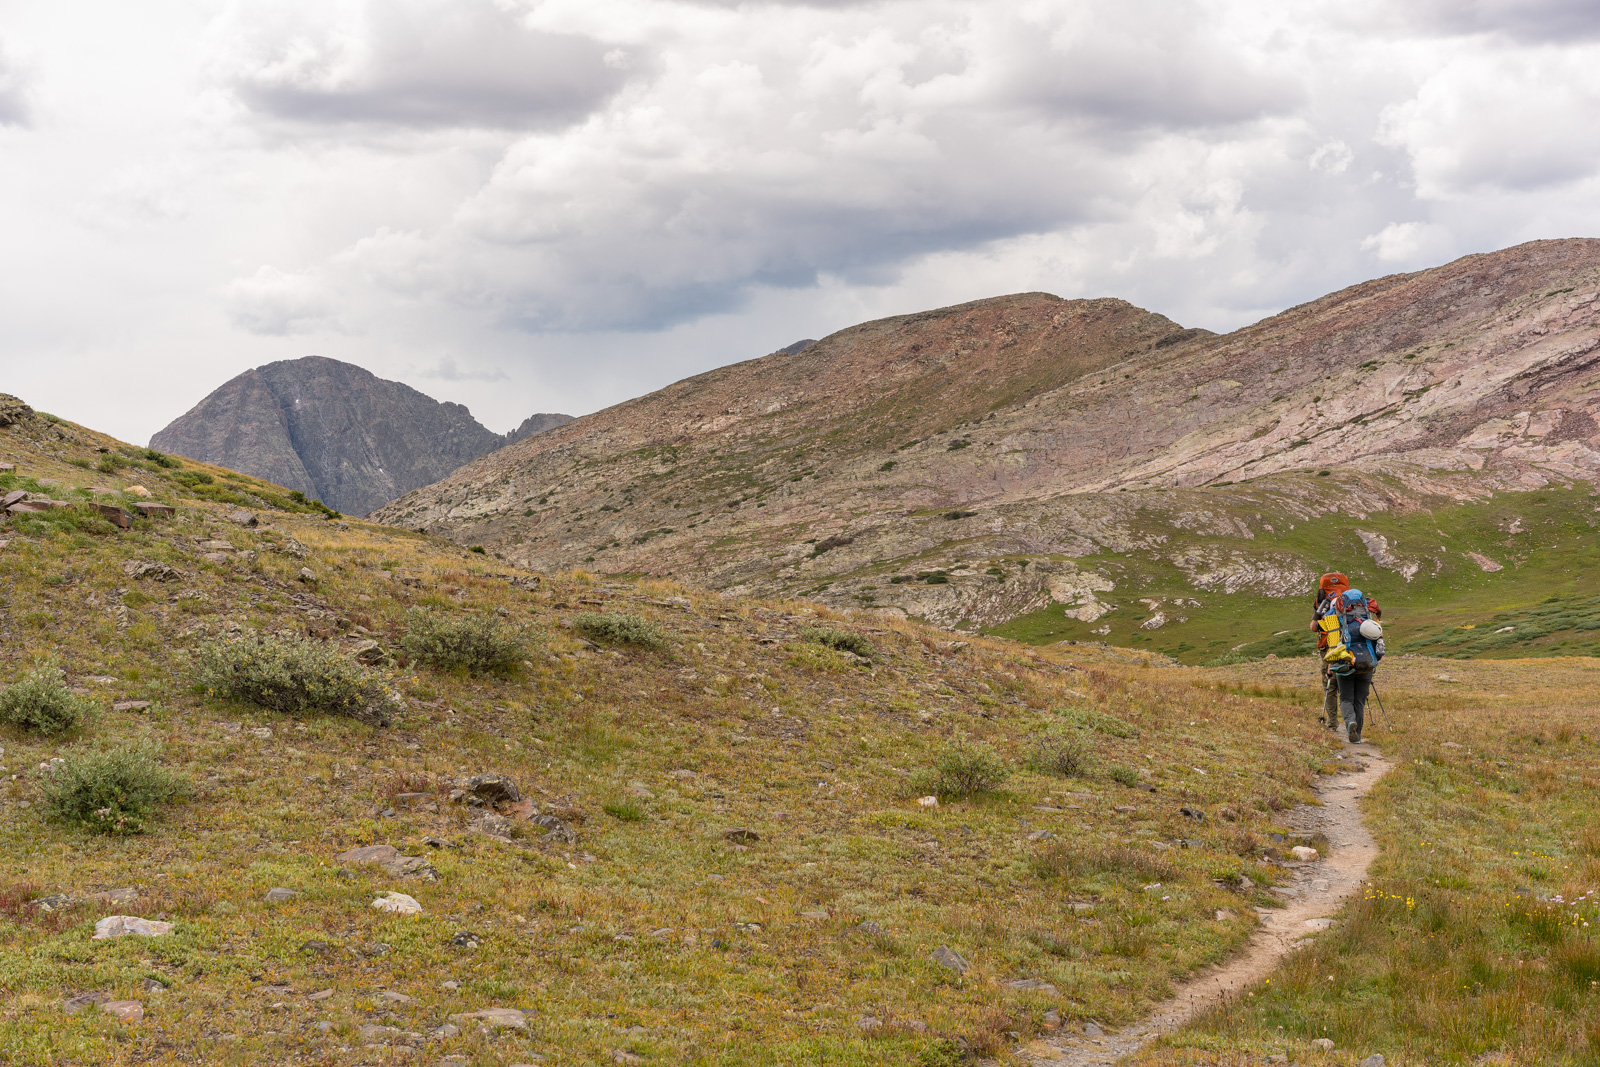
(1352,610)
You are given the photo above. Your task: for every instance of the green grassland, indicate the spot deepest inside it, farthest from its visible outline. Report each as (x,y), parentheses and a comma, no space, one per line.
(1477,939)
(651,933)
(1545,541)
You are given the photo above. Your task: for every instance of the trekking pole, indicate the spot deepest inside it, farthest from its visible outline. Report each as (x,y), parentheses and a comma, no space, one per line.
(1387,718)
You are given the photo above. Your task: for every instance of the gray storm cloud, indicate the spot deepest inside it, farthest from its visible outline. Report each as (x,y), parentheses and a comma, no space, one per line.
(589,198)
(416,63)
(15,107)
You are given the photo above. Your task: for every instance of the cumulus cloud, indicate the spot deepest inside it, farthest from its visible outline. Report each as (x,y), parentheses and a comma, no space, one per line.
(1491,120)
(15,90)
(280,303)
(1523,20)
(602,195)
(411,63)
(446,371)
(775,150)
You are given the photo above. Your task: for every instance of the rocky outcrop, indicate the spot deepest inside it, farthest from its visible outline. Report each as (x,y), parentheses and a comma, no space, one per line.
(919,462)
(333,431)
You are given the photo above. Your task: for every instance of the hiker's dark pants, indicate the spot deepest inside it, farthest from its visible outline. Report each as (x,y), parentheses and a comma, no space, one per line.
(1330,700)
(1353,690)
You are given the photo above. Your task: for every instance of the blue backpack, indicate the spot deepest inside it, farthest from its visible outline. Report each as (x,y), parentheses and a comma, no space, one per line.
(1353,611)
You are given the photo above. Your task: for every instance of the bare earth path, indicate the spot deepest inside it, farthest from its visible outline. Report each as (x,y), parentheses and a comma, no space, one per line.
(1315,894)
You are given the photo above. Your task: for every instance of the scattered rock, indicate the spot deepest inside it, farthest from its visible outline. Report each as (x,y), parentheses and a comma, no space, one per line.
(1124,809)
(308,576)
(497,1018)
(1041,835)
(126,1011)
(243,518)
(869,1023)
(1374,1060)
(1093,1030)
(131,705)
(948,958)
(625,1057)
(928,802)
(321,995)
(1304,853)
(1226,915)
(388,996)
(74,1004)
(125,925)
(316,948)
(279,894)
(466,939)
(154,511)
(398,904)
(388,857)
(486,789)
(115,515)
(1192,813)
(158,572)
(1033,985)
(55,901)
(741,836)
(152,985)
(815,915)
(446,1031)
(869,928)
(1323,1044)
(492,825)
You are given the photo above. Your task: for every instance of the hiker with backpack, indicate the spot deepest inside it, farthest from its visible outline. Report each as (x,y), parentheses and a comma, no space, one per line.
(1350,643)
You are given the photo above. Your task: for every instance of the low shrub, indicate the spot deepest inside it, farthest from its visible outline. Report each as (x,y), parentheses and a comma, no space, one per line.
(110,790)
(619,628)
(1126,775)
(840,640)
(293,675)
(625,811)
(1098,721)
(964,770)
(476,644)
(41,703)
(1066,754)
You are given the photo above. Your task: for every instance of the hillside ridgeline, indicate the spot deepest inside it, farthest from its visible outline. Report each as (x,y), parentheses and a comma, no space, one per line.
(1085,469)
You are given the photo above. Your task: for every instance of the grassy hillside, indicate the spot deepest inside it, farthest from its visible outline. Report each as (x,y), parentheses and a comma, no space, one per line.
(1478,939)
(733,865)
(1542,542)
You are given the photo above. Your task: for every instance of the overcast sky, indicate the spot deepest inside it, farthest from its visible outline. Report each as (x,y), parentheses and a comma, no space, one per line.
(553,205)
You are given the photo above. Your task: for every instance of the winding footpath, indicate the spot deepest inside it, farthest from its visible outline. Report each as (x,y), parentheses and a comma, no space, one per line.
(1313,896)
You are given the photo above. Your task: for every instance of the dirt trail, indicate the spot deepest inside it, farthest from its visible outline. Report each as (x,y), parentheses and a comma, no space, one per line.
(1314,895)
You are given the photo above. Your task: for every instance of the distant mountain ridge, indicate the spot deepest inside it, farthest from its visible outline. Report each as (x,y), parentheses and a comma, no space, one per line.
(335,431)
(1085,464)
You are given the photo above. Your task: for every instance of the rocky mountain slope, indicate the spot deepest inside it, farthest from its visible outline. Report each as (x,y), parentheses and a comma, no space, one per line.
(334,432)
(987,462)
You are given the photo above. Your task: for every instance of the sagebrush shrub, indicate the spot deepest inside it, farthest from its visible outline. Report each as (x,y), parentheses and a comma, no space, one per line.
(110,790)
(294,675)
(619,628)
(477,644)
(42,704)
(841,640)
(1126,775)
(1066,754)
(964,770)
